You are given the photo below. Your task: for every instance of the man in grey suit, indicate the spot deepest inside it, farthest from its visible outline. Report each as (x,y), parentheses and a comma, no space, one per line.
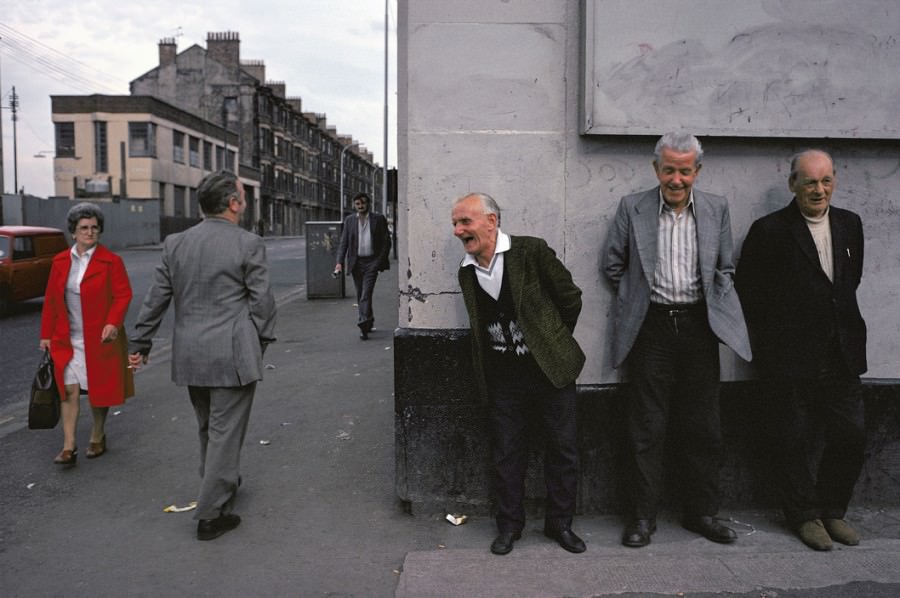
(669,257)
(365,246)
(217,275)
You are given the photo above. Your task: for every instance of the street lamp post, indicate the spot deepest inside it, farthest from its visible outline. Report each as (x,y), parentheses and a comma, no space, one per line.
(341,196)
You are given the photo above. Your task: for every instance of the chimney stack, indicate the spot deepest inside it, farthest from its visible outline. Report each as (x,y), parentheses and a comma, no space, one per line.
(224,47)
(167,51)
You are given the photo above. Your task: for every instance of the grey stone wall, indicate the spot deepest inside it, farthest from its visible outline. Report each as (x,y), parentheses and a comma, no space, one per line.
(442,439)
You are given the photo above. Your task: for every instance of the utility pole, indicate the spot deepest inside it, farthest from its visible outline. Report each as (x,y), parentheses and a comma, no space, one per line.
(385,171)
(2,186)
(14,104)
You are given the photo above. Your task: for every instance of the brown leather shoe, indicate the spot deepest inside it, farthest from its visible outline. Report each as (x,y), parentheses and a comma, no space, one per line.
(67,457)
(95,449)
(813,534)
(840,531)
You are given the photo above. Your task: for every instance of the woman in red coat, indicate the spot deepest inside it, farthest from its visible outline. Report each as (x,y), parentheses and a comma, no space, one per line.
(83,326)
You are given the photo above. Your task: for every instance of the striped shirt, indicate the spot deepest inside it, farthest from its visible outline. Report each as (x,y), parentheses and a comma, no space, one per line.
(677,276)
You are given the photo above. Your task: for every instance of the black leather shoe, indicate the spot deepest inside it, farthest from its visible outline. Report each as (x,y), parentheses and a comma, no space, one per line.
(210,529)
(710,529)
(503,543)
(566,538)
(363,335)
(638,531)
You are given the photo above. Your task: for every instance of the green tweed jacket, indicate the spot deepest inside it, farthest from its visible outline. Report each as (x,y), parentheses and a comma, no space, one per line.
(547,304)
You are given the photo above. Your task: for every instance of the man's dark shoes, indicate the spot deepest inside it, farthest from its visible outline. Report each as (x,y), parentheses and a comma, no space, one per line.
(637,533)
(503,543)
(710,529)
(566,538)
(210,529)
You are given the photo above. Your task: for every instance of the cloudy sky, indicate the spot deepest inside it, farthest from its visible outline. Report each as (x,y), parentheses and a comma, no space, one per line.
(328,52)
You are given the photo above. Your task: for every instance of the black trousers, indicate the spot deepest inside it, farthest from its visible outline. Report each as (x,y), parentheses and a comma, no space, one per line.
(674,375)
(512,407)
(365,273)
(821,439)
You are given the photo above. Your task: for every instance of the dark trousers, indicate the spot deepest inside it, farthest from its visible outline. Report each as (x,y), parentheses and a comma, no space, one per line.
(674,374)
(554,411)
(365,273)
(222,417)
(806,415)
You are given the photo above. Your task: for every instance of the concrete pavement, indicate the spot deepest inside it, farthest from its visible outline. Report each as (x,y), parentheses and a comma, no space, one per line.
(320,517)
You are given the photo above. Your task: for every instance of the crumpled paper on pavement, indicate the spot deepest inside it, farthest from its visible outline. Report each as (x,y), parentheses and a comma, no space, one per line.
(176,509)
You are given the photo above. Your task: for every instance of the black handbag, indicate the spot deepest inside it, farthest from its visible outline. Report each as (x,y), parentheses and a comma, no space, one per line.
(43,407)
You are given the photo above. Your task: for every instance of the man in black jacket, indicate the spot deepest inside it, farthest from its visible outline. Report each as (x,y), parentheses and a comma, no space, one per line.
(797,280)
(365,246)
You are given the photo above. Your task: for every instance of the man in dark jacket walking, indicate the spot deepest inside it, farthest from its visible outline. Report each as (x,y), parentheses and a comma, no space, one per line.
(364,249)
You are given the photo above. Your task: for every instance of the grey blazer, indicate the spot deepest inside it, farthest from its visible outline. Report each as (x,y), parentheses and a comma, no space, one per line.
(217,275)
(629,261)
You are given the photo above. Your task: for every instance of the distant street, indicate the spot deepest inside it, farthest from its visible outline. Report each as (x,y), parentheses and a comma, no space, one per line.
(20,331)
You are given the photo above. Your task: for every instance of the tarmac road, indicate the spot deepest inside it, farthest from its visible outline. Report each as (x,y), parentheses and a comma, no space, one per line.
(320,515)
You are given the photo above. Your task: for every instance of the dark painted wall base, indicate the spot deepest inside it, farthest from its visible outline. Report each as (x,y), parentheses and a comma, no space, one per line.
(441,439)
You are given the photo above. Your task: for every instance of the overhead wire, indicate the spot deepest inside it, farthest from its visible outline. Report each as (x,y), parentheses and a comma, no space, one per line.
(46,60)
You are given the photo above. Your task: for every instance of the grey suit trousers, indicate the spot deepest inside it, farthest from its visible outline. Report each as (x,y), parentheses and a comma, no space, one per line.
(222,417)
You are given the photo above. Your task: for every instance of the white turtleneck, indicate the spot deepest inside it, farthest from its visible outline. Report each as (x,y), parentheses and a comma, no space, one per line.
(820,228)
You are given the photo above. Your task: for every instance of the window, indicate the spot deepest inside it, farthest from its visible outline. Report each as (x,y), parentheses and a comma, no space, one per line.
(101,161)
(195,205)
(142,140)
(230,110)
(220,157)
(194,151)
(178,147)
(23,248)
(229,160)
(179,200)
(65,140)
(207,155)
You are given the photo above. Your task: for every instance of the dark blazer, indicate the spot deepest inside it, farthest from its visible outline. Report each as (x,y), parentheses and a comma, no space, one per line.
(381,241)
(547,304)
(793,310)
(629,263)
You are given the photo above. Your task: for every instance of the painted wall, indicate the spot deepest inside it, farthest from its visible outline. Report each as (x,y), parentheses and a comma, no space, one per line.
(489,100)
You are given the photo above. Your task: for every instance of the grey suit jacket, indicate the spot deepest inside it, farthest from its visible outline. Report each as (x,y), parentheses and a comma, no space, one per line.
(217,275)
(629,262)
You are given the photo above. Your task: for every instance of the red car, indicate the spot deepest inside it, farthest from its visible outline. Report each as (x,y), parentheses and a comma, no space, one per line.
(26,253)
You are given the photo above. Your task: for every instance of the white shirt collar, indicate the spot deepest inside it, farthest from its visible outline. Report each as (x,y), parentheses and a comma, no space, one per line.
(86,256)
(491,278)
(663,204)
(503,244)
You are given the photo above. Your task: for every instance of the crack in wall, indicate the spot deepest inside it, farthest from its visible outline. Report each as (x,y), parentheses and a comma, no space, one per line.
(417,294)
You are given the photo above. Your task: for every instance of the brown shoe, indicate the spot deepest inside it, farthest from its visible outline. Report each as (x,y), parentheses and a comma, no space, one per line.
(95,449)
(813,534)
(67,457)
(840,531)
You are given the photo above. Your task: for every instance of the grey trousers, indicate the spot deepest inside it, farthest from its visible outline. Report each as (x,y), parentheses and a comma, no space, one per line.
(222,417)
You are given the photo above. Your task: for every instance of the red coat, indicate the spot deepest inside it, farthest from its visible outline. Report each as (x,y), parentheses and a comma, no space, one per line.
(105,295)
